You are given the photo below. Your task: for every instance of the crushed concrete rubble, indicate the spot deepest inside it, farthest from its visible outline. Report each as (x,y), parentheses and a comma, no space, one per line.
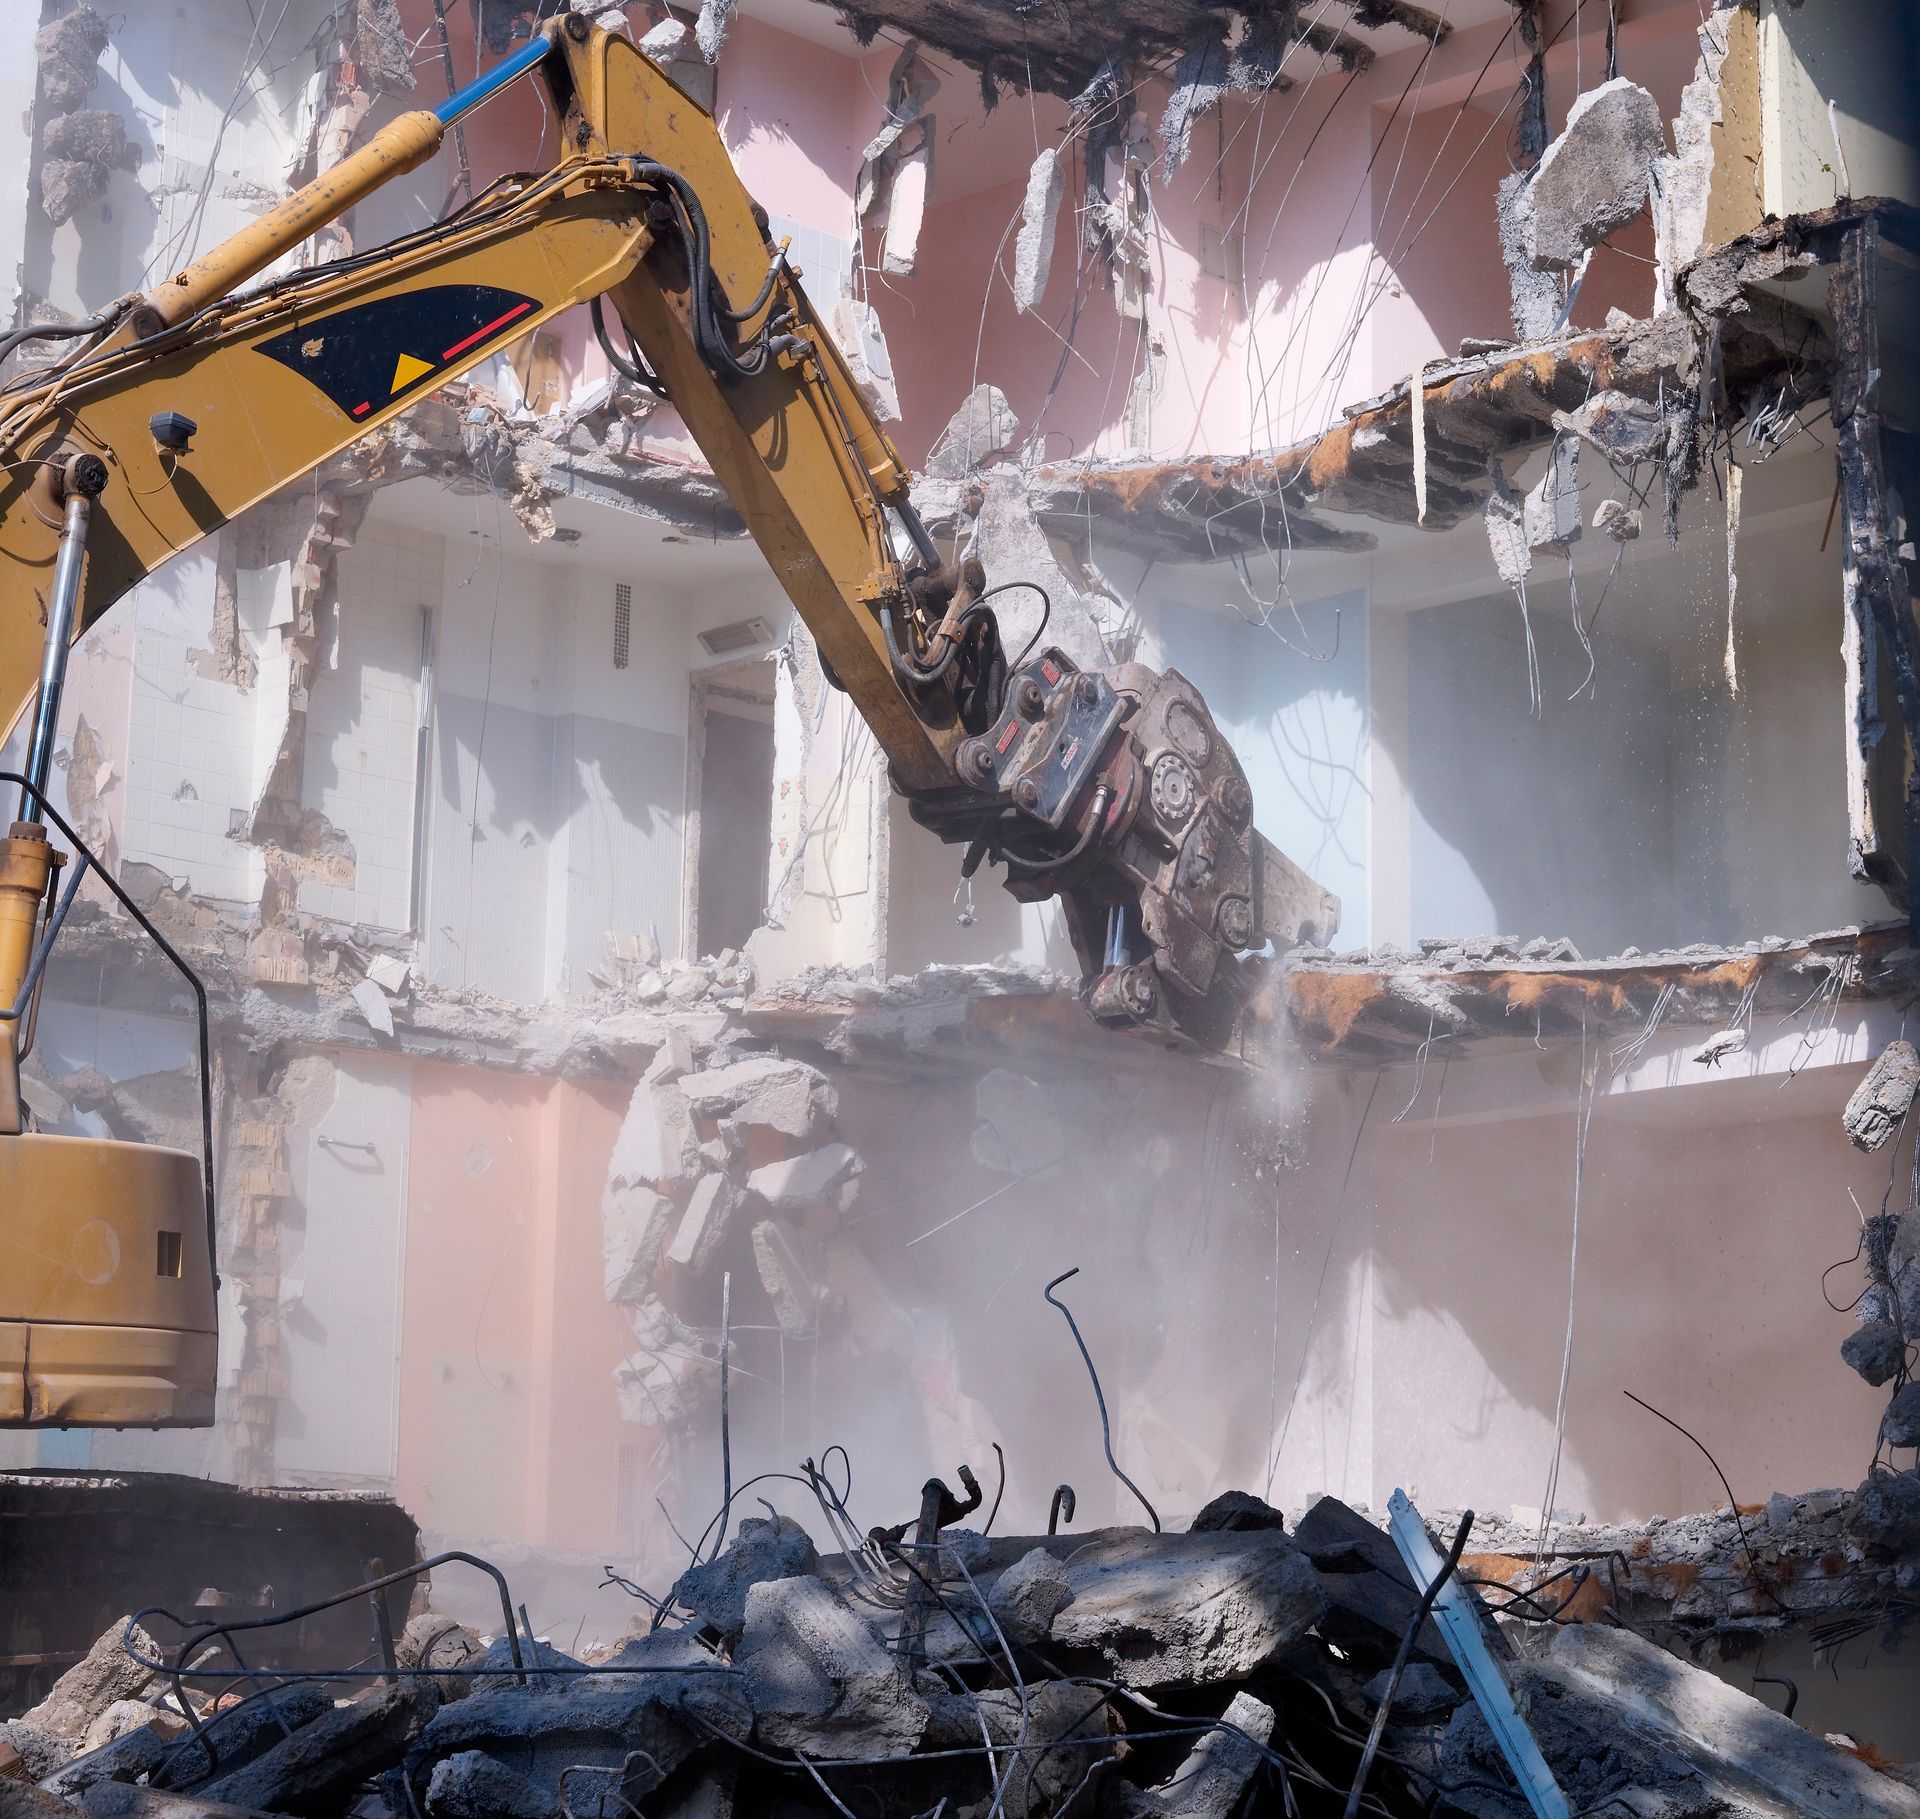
(1123,1673)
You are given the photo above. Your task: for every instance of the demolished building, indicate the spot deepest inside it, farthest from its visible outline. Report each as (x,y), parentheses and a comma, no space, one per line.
(1503,414)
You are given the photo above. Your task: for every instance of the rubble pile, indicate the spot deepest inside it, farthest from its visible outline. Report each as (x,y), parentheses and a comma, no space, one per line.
(1234,1668)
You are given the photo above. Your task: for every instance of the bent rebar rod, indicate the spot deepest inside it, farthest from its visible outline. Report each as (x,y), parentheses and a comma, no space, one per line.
(1106,1427)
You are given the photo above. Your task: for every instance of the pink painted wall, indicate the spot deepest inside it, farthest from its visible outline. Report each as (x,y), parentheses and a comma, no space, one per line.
(509,1425)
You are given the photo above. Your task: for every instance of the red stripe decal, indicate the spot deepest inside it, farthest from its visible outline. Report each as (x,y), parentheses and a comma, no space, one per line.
(360,410)
(480,334)
(1008,737)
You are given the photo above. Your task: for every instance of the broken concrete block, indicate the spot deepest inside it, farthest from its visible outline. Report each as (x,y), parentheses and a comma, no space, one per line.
(1362,1574)
(1039,213)
(710,28)
(1536,295)
(665,41)
(1735,1748)
(105,1674)
(704,1224)
(1885,1516)
(1624,429)
(788,1282)
(716,1592)
(820,1679)
(22,1800)
(1506,520)
(1900,1425)
(374,1006)
(1553,501)
(239,1735)
(1061,1733)
(1029,1595)
(634,1226)
(1881,1101)
(1212,1781)
(1423,1694)
(1616,519)
(856,328)
(135,1752)
(36,1753)
(126,1715)
(68,54)
(1236,1512)
(1593,178)
(1197,1609)
(433,1641)
(1200,78)
(316,1769)
(766,1092)
(1875,1350)
(979,433)
(672,1059)
(1020,1129)
(657,1144)
(472,1785)
(798,1182)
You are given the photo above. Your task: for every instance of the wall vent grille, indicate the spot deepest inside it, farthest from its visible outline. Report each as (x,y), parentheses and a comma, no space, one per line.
(622,624)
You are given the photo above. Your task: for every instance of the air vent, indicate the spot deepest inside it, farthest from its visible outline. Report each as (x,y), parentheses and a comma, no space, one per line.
(622,624)
(741,635)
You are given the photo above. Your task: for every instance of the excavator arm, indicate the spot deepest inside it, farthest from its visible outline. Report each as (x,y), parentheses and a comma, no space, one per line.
(174,411)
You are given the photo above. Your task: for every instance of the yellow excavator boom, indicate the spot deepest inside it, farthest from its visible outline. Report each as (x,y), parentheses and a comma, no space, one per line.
(176,410)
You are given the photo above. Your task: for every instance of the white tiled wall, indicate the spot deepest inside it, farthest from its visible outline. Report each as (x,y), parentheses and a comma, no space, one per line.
(340,1288)
(193,768)
(361,723)
(825,260)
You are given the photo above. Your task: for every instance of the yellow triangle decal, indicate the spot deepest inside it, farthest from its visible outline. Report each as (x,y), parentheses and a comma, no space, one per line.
(407,369)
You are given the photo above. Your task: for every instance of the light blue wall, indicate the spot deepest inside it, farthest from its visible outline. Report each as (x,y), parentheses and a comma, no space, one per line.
(1291,696)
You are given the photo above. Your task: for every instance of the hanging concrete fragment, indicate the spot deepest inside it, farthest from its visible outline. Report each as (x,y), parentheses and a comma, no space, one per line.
(980,432)
(856,328)
(1506,520)
(1616,519)
(1259,60)
(1199,80)
(1535,294)
(1033,249)
(666,41)
(1593,178)
(710,29)
(1882,1100)
(1553,501)
(896,170)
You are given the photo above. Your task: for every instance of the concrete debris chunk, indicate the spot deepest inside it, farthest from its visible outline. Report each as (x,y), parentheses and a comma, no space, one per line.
(1900,1426)
(1619,426)
(896,170)
(1029,1595)
(1063,1728)
(135,1752)
(657,1144)
(1039,215)
(1881,1101)
(1199,80)
(704,1224)
(1362,1574)
(1593,179)
(1212,1781)
(1506,521)
(634,1225)
(1236,1512)
(1195,1609)
(1535,301)
(979,433)
(788,1282)
(316,1769)
(766,1092)
(68,54)
(1875,1350)
(83,149)
(1616,519)
(374,1006)
(716,1592)
(127,1715)
(820,1679)
(710,28)
(1885,1517)
(117,1800)
(856,328)
(666,41)
(472,1785)
(105,1674)
(798,1182)
(1721,1044)
(241,1734)
(431,1640)
(1553,501)
(1731,1746)
(1423,1693)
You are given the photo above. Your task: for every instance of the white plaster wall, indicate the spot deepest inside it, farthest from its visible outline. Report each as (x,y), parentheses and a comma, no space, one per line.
(362,722)
(340,1283)
(195,760)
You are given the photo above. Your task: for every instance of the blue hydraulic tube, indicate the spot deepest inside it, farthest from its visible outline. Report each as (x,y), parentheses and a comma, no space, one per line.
(535,51)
